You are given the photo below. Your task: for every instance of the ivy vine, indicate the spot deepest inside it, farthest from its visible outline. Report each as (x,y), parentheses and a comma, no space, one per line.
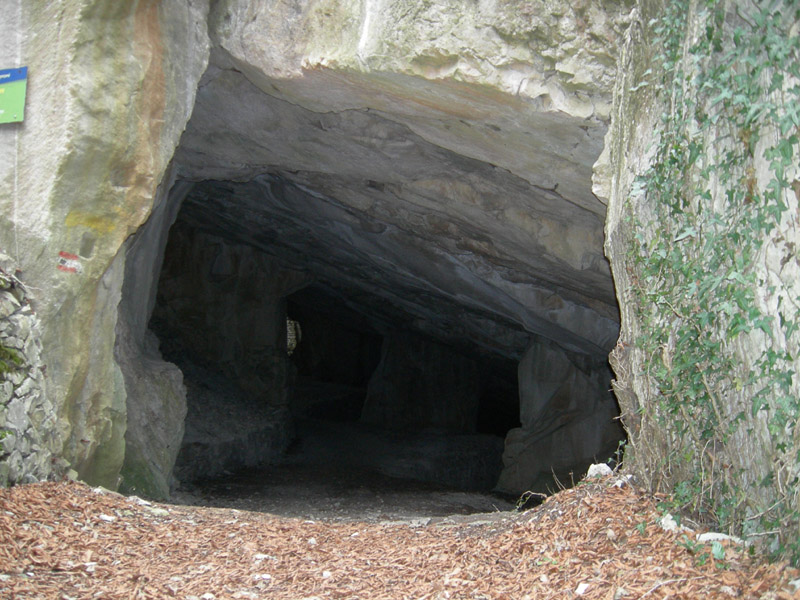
(723,168)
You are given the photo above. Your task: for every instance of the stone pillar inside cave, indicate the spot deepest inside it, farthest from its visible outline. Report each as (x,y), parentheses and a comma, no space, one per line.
(422,384)
(569,420)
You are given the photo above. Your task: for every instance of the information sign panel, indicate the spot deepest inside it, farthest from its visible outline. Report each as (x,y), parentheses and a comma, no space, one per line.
(13,83)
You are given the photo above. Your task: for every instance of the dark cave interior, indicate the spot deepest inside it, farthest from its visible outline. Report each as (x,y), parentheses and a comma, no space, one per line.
(452,316)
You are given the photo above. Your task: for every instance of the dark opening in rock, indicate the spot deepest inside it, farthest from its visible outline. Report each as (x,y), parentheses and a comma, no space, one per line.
(371,269)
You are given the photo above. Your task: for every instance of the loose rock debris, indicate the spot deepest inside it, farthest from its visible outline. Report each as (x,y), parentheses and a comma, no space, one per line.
(596,541)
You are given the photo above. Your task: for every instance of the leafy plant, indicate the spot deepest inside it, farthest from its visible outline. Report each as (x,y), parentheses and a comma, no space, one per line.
(10,360)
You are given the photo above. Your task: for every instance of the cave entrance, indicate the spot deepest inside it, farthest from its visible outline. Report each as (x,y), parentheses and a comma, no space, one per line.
(450,286)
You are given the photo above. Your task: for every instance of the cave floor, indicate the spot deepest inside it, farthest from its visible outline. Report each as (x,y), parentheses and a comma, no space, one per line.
(338,493)
(322,477)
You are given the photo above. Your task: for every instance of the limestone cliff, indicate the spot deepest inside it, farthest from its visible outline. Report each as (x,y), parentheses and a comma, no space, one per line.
(111,86)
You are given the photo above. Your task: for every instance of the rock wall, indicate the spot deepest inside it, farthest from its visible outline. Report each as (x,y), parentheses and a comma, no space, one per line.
(225,305)
(31,437)
(568,420)
(221,307)
(155,395)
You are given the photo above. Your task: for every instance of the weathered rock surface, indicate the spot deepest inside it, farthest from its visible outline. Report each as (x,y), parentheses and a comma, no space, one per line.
(496,253)
(225,303)
(449,144)
(428,163)
(111,87)
(755,460)
(222,306)
(156,397)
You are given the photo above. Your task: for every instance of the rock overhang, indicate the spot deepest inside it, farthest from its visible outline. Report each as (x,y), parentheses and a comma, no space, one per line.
(436,169)
(359,199)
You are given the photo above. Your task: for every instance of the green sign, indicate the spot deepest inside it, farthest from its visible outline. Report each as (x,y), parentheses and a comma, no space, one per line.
(13,83)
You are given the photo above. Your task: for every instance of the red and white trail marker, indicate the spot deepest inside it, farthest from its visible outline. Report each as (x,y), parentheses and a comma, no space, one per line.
(69,263)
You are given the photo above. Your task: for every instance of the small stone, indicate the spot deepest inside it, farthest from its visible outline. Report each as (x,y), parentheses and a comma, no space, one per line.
(327,574)
(668,523)
(312,541)
(581,589)
(8,305)
(23,327)
(260,557)
(16,377)
(599,470)
(6,390)
(622,481)
(621,593)
(158,512)
(611,535)
(17,417)
(107,518)
(713,536)
(25,387)
(9,442)
(14,342)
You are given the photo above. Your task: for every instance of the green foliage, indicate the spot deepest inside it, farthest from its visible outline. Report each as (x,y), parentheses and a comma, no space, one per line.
(698,288)
(10,360)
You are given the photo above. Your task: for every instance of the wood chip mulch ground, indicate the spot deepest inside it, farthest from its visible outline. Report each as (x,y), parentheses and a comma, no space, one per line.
(595,541)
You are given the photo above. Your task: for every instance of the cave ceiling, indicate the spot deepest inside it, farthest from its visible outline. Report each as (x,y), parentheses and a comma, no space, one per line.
(460,213)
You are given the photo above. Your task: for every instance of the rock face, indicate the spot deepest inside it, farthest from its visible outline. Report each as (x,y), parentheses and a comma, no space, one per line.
(225,304)
(222,306)
(156,397)
(427,164)
(706,367)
